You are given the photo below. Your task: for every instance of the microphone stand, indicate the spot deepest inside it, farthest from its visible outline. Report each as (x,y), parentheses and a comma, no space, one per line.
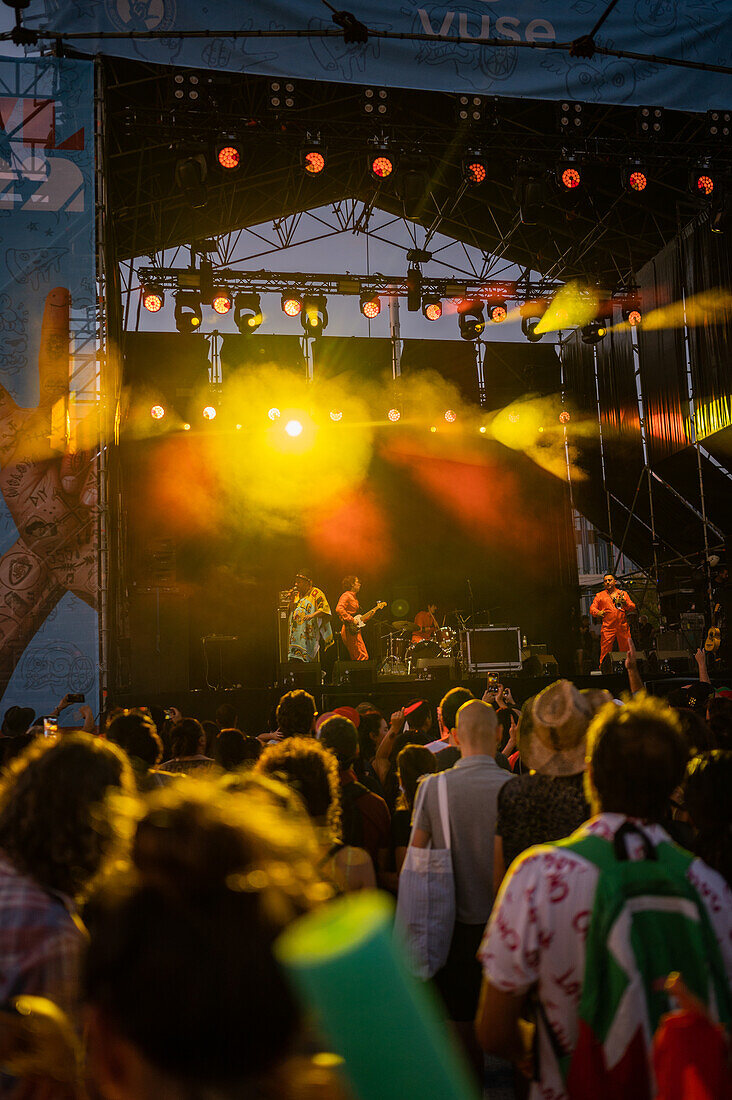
(471,663)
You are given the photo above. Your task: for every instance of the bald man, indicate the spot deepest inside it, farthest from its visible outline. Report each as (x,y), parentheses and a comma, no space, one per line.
(472,796)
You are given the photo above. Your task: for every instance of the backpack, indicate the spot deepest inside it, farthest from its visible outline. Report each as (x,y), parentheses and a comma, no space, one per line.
(647,921)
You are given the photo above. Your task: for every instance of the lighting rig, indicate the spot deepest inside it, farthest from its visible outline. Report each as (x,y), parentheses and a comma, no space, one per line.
(304,295)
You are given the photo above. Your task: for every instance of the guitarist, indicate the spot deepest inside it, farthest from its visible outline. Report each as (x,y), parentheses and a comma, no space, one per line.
(347,610)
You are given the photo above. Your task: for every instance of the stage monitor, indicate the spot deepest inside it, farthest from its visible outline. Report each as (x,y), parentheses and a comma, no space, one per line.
(492,648)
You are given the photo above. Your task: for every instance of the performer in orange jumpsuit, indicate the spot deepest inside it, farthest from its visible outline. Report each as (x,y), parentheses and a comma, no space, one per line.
(426,624)
(346,608)
(612,605)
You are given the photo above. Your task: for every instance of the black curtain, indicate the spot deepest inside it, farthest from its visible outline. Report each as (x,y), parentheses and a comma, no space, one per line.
(620,418)
(662,355)
(707,269)
(512,370)
(578,367)
(251,351)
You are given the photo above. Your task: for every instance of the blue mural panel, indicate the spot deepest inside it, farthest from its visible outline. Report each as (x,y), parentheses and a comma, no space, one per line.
(48,384)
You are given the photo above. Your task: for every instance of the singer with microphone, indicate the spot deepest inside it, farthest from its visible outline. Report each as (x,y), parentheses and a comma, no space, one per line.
(309,620)
(612,605)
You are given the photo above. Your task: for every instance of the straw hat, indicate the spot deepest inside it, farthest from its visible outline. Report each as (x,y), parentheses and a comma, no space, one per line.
(560,719)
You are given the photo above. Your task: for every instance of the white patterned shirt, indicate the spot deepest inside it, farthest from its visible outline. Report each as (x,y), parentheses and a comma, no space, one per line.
(536,934)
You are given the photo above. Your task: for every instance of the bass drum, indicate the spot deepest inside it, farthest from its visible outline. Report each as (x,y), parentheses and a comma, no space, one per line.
(448,641)
(421,649)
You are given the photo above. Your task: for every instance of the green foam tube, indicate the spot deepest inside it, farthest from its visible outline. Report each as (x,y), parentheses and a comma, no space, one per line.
(384,1023)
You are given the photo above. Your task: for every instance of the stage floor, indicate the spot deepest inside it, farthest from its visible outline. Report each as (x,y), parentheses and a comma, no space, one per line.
(255,706)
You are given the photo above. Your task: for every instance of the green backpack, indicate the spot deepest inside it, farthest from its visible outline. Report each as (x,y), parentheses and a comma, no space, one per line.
(647,921)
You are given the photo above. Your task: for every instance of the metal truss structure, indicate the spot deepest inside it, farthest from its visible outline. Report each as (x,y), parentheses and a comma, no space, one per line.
(396,286)
(602,233)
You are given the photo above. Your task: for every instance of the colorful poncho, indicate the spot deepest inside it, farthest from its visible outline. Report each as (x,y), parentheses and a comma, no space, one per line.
(305,637)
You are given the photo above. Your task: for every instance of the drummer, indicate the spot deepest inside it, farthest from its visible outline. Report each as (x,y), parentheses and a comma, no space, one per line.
(426,626)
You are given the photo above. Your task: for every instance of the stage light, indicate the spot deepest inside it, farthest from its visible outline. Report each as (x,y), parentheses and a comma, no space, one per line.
(293,428)
(381,164)
(209,413)
(432,308)
(514,417)
(470,320)
(701,180)
(450,416)
(414,288)
(313,162)
(470,108)
(593,333)
(497,312)
(157,412)
(531,193)
(530,317)
(312,158)
(482,429)
(433,428)
(569,176)
(221,301)
(186,427)
(188,314)
(336,415)
(247,312)
(370,305)
(635,176)
(282,96)
(314,315)
(571,118)
(719,125)
(153,297)
(190,178)
(632,314)
(650,121)
(228,155)
(375,101)
(394,415)
(291,304)
(474,170)
(564,417)
(274,414)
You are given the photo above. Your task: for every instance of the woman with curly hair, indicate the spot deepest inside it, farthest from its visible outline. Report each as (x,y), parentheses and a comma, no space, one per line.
(309,769)
(184,996)
(59,831)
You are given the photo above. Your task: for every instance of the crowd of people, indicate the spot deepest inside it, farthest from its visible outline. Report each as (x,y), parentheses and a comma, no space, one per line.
(147,867)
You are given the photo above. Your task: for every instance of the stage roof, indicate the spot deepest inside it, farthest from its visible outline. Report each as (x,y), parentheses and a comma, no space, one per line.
(601,232)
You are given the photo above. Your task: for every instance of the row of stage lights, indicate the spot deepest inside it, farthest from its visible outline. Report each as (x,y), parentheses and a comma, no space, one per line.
(472,315)
(294,427)
(569,173)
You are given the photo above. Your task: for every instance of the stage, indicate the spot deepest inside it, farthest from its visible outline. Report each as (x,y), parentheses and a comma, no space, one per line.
(255,706)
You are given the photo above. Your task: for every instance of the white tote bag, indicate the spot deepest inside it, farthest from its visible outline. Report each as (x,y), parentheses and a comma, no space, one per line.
(425,913)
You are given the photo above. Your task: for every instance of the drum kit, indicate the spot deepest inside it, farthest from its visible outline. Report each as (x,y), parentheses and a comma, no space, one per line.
(402,654)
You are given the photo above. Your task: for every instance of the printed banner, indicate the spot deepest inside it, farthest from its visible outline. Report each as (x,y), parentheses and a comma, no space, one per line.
(693,30)
(48,386)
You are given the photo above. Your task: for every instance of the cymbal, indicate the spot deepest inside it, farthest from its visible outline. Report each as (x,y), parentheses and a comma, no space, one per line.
(403,625)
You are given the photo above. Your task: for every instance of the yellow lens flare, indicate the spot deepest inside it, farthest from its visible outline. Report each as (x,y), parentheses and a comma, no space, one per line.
(292,453)
(533,425)
(714,307)
(573,306)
